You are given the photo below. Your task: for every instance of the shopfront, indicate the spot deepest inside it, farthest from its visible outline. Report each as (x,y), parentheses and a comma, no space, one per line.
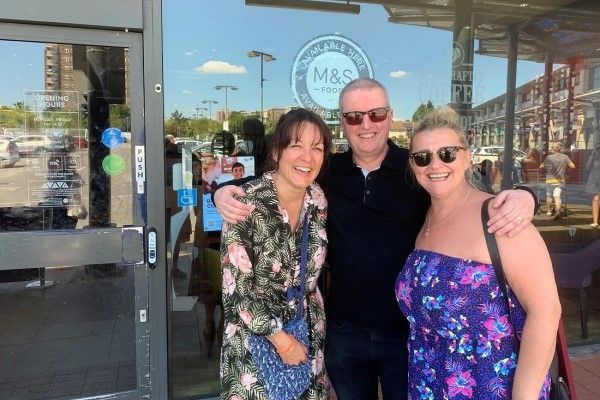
(109,266)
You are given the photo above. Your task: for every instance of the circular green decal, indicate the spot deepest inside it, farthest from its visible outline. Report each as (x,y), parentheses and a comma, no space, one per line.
(113,164)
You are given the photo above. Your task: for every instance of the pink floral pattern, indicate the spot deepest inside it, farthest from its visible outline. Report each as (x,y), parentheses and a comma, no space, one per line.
(260,261)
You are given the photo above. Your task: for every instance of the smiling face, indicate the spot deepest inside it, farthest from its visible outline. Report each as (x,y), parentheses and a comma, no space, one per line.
(440,179)
(301,161)
(237,172)
(367,139)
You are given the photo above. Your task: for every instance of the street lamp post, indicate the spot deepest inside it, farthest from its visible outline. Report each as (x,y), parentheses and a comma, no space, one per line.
(263,57)
(198,109)
(219,87)
(210,103)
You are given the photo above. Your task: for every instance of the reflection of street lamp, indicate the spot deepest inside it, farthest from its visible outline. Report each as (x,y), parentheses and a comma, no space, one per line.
(198,109)
(219,87)
(210,103)
(263,57)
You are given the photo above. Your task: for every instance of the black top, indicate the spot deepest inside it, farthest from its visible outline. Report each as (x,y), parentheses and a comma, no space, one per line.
(372,225)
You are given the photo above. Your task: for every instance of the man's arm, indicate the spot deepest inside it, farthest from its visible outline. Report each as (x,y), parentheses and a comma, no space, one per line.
(516,209)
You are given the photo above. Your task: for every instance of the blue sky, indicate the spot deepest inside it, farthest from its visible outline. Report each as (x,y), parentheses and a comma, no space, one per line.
(196,34)
(201,38)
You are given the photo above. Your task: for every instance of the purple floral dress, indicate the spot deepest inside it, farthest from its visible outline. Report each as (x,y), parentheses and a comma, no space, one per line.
(461,344)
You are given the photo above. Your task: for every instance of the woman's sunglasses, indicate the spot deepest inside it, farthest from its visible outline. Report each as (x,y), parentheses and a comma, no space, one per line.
(447,154)
(375,115)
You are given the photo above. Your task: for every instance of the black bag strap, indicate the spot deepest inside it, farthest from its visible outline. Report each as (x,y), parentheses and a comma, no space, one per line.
(492,246)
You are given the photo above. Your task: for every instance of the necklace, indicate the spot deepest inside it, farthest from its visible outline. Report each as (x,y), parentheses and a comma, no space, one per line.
(447,218)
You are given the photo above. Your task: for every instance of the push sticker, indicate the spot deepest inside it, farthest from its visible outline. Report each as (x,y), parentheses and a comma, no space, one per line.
(113,164)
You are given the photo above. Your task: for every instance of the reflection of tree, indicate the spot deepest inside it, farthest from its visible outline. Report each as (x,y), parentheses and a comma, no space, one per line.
(119,116)
(15,116)
(422,110)
(180,126)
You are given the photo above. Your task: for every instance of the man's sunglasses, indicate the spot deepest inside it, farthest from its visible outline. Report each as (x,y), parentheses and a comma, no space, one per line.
(447,154)
(375,115)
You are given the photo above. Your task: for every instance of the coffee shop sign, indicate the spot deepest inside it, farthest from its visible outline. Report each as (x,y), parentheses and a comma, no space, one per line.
(321,68)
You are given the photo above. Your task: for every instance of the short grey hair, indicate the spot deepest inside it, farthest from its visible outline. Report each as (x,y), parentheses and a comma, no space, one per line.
(363,83)
(443,117)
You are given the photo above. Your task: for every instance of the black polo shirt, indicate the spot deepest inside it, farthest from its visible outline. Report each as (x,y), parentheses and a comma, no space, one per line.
(372,225)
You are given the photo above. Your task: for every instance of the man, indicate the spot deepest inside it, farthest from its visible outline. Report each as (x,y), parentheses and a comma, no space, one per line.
(556,177)
(238,170)
(375,213)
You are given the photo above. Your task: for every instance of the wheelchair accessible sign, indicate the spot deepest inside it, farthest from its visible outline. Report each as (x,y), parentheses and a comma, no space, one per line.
(322,68)
(187,197)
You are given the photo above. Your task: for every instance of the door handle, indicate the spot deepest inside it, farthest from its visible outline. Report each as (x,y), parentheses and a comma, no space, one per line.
(151,248)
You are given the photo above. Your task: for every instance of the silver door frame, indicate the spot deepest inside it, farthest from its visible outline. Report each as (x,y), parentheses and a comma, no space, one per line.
(106,244)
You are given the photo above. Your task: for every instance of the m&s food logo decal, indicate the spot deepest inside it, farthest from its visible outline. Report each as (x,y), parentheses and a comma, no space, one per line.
(322,68)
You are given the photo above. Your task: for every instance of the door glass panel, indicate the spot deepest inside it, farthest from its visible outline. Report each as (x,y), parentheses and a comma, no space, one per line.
(65,158)
(75,338)
(64,136)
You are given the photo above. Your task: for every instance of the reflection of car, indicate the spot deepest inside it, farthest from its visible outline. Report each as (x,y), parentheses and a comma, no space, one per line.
(78,142)
(32,144)
(9,152)
(491,153)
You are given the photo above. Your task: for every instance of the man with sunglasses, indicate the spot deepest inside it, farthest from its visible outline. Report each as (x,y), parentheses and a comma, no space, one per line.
(375,212)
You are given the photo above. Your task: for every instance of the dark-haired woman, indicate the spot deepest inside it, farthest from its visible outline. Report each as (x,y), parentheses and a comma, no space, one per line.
(260,260)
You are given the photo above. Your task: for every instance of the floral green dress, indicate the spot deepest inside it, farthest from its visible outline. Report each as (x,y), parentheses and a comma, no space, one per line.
(260,260)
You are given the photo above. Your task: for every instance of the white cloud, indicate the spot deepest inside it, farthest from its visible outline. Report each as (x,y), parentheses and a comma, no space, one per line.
(191,52)
(220,67)
(398,74)
(185,91)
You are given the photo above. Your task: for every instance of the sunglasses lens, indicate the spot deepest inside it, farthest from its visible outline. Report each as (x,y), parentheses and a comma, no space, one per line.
(447,154)
(422,158)
(353,118)
(378,114)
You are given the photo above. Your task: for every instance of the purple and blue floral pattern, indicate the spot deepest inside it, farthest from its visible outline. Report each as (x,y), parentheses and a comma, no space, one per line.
(461,343)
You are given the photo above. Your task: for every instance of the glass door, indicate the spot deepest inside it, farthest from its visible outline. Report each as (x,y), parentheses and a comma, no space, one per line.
(74,317)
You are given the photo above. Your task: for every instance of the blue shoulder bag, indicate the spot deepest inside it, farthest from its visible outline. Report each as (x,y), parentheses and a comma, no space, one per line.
(283,381)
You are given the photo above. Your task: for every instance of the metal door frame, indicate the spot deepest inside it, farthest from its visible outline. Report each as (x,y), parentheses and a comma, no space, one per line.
(105,244)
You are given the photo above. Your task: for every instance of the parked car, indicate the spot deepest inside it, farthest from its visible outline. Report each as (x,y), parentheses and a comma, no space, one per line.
(78,142)
(9,152)
(491,153)
(32,144)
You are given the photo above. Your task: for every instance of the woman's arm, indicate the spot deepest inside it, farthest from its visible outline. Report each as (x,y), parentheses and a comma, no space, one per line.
(529,273)
(245,295)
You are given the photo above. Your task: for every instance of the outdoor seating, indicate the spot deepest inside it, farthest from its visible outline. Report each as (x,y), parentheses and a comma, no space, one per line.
(573,270)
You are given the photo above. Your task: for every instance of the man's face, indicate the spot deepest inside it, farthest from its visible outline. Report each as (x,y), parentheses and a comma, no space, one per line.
(368,139)
(237,172)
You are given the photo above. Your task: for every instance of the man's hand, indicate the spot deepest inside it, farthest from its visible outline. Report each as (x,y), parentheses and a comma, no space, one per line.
(515,212)
(231,209)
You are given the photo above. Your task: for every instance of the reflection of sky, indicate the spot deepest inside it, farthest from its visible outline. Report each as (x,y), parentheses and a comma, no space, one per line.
(195,34)
(228,30)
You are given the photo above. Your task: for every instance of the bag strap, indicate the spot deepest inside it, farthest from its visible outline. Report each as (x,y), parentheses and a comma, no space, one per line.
(492,246)
(303,266)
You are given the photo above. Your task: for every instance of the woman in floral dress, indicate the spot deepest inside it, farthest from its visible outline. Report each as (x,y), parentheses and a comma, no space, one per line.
(461,343)
(260,259)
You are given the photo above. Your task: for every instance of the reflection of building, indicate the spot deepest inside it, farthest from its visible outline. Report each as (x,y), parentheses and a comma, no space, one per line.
(61,72)
(401,130)
(573,96)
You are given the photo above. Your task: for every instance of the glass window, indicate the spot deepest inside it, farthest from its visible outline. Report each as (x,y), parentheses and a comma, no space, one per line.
(227,62)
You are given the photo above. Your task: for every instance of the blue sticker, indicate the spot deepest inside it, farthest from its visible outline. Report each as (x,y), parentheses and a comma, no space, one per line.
(211,217)
(187,197)
(112,138)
